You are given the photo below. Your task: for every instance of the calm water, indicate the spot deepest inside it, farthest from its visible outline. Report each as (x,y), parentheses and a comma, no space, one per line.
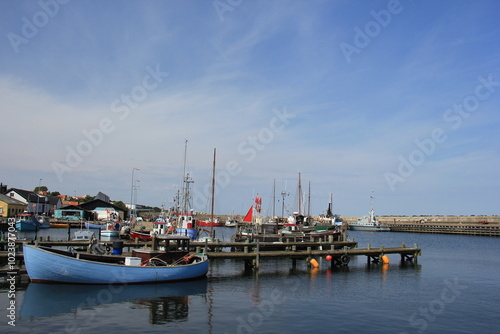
(454,289)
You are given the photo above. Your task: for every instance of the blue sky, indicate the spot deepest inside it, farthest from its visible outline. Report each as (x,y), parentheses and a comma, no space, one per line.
(398,97)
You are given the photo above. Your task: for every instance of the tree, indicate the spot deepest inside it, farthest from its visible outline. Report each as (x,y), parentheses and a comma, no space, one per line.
(40,188)
(87,198)
(120,204)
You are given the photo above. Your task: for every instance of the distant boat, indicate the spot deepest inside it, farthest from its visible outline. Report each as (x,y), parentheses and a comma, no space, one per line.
(44,222)
(369,223)
(45,264)
(209,223)
(231,222)
(83,235)
(91,225)
(184,222)
(27,222)
(329,220)
(143,236)
(111,230)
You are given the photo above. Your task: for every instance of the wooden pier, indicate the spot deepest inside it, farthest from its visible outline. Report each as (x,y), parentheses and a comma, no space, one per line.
(338,252)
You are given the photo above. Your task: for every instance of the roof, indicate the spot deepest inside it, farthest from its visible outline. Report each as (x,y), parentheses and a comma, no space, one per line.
(96,203)
(29,196)
(71,207)
(9,200)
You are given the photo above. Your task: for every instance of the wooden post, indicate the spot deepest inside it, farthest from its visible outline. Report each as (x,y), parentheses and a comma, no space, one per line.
(154,243)
(403,245)
(257,256)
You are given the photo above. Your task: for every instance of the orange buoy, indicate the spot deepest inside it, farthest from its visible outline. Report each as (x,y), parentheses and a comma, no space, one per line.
(314,263)
(385,259)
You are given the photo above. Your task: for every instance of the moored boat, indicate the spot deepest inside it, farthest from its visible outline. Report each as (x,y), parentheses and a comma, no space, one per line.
(83,235)
(209,223)
(231,222)
(111,230)
(368,223)
(27,222)
(175,263)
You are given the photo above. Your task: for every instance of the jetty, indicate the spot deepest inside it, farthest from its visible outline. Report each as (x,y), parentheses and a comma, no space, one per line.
(463,225)
(339,253)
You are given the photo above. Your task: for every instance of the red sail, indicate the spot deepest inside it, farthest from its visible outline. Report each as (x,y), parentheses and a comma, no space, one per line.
(248,217)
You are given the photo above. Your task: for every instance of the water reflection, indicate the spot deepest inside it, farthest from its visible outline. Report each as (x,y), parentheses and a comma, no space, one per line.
(166,302)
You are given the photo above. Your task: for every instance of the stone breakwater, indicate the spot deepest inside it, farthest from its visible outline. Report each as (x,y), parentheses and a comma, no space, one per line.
(423,219)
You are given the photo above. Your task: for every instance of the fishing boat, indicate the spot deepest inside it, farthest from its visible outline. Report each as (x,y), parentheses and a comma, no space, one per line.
(210,223)
(231,222)
(294,229)
(369,223)
(174,263)
(160,226)
(111,230)
(44,222)
(329,220)
(83,235)
(92,225)
(27,222)
(184,222)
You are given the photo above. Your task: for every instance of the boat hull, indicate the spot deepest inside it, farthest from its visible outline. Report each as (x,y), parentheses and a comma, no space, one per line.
(190,232)
(317,235)
(27,226)
(45,266)
(109,233)
(140,236)
(370,228)
(90,225)
(209,224)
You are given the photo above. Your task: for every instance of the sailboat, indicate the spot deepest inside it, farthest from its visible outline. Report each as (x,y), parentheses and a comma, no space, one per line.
(211,222)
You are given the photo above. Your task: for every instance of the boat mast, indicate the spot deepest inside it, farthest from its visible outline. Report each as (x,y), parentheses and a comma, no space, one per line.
(187,180)
(329,212)
(213,195)
(300,196)
(274,197)
(372,218)
(309,201)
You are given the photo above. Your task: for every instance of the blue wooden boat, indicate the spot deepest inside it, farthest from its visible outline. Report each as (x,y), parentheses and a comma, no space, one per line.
(91,225)
(27,222)
(175,263)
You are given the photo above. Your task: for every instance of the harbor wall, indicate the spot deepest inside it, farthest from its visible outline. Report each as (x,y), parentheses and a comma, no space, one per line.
(433,219)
